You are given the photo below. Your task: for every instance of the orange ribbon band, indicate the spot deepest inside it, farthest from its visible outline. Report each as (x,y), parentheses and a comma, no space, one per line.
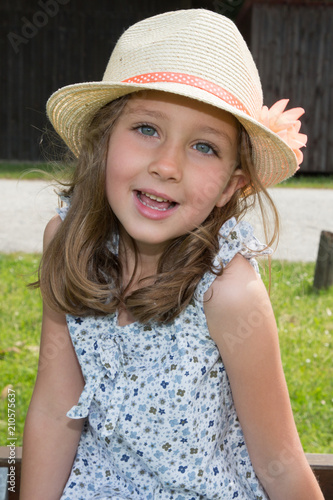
(193,81)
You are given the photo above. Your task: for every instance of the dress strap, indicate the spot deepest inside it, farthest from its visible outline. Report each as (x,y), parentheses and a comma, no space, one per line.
(234,237)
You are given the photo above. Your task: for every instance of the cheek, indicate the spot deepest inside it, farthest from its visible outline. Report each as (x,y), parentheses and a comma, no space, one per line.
(116,167)
(123,160)
(203,200)
(209,188)
(113,182)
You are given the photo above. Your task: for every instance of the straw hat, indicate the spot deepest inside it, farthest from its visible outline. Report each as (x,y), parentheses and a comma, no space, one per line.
(196,53)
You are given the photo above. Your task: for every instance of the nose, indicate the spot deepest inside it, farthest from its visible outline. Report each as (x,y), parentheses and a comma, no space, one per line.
(167,164)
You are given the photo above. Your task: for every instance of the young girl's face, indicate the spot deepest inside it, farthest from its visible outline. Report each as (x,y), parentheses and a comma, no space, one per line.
(170,161)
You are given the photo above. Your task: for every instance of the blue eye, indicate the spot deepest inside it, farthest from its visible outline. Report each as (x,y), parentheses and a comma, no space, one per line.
(204,148)
(147,130)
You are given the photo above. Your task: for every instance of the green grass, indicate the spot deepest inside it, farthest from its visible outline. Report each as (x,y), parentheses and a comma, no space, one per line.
(305,322)
(31,171)
(308,181)
(25,170)
(304,317)
(20,316)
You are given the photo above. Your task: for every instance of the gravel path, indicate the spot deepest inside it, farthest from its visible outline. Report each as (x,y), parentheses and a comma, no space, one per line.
(28,205)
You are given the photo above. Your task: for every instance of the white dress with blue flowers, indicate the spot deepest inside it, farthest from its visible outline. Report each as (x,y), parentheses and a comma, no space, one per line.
(161,421)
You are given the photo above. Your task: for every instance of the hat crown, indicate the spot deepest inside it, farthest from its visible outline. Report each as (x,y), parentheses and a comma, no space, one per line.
(196,42)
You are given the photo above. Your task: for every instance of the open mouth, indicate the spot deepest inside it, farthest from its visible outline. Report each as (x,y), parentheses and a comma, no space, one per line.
(155,202)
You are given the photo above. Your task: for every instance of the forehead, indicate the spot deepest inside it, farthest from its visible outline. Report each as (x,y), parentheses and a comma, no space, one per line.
(157,99)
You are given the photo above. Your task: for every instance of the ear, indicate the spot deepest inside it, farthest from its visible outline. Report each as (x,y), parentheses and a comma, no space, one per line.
(236,181)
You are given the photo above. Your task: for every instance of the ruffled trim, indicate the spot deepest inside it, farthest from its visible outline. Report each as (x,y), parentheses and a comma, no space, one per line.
(239,238)
(235,238)
(107,380)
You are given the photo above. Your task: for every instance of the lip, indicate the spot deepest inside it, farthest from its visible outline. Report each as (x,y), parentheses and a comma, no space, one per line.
(153,213)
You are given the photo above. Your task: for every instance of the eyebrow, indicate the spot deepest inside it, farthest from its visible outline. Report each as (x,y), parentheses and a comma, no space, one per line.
(145,111)
(206,129)
(218,133)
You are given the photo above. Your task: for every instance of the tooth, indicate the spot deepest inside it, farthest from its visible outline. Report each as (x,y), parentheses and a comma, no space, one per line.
(156,198)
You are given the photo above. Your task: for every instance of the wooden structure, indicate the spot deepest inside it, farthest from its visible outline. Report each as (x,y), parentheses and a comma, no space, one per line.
(322,466)
(291,42)
(46,44)
(323,277)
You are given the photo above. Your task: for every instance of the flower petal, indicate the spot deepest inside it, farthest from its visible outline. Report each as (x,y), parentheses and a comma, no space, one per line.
(293,114)
(285,124)
(278,107)
(302,138)
(263,117)
(299,157)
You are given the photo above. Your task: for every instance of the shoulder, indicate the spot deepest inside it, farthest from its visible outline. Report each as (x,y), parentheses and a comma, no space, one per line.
(236,289)
(50,230)
(238,311)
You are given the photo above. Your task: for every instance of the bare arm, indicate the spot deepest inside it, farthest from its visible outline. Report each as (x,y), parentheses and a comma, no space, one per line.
(50,437)
(249,346)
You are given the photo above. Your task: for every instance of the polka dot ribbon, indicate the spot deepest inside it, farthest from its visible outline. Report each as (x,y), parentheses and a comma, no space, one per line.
(193,81)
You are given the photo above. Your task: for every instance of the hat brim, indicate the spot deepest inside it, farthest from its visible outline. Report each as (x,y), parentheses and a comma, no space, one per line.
(72,108)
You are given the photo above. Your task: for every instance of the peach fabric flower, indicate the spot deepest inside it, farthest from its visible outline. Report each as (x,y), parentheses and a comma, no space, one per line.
(285,124)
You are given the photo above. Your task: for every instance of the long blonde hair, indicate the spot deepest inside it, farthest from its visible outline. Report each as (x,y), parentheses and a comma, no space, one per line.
(80,274)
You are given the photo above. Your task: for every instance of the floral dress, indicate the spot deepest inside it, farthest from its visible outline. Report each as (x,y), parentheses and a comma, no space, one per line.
(160,417)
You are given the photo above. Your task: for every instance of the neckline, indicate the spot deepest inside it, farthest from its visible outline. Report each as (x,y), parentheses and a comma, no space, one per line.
(116,318)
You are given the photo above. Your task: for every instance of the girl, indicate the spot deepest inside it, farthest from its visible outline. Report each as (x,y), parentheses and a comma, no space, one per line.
(160,374)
